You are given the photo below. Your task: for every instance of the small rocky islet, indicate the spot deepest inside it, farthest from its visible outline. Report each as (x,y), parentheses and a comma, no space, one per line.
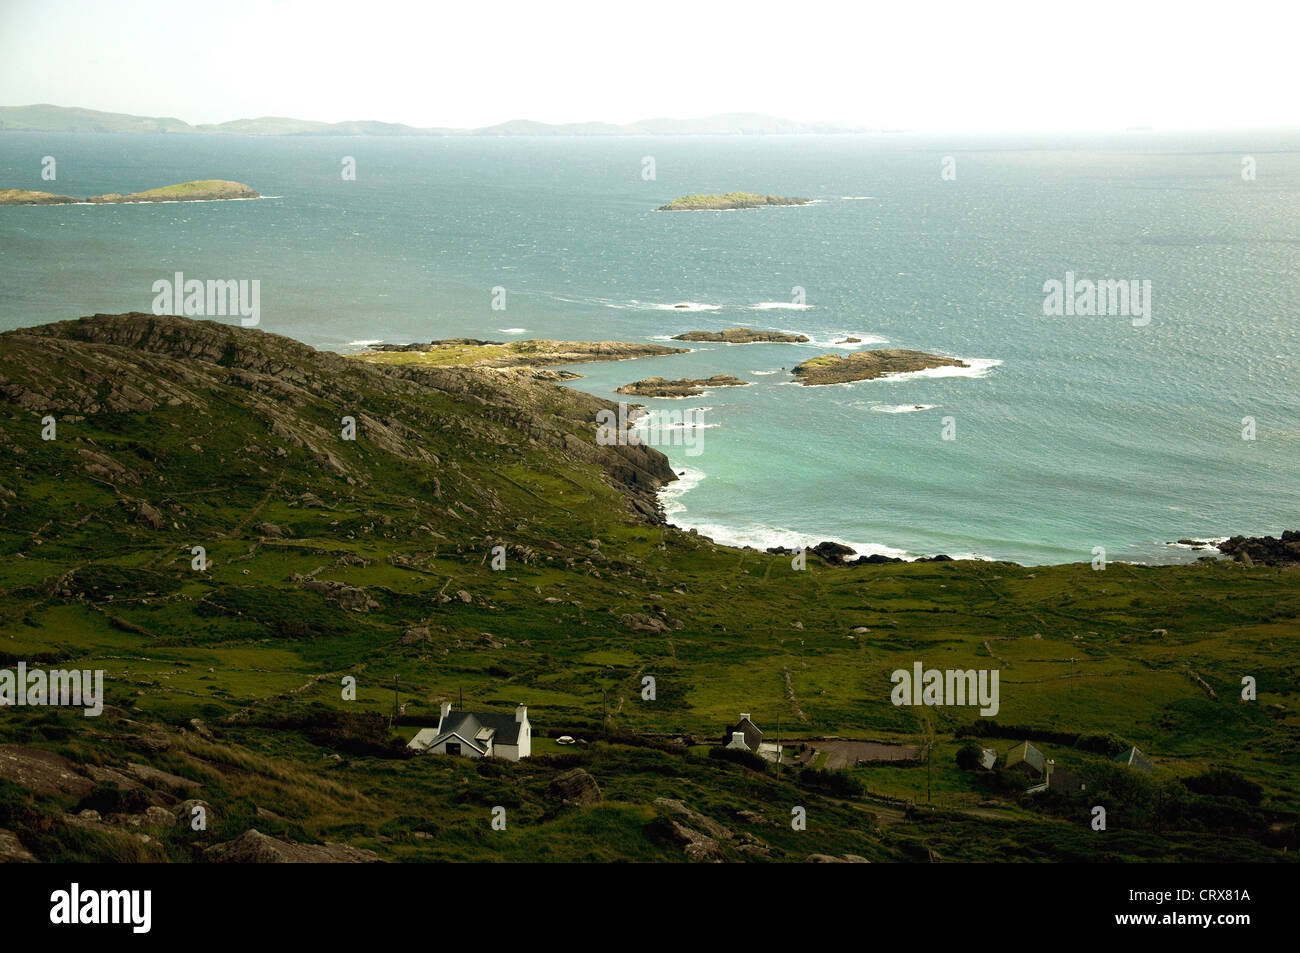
(202,190)
(741,336)
(868,365)
(685,387)
(728,202)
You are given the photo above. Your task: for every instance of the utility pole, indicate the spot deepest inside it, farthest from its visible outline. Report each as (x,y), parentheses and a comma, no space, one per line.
(778,745)
(929,757)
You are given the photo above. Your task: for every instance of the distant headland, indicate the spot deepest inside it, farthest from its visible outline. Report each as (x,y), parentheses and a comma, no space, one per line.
(44,117)
(204,190)
(723,203)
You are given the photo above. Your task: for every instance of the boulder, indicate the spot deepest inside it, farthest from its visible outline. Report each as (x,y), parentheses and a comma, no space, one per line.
(575,787)
(148,517)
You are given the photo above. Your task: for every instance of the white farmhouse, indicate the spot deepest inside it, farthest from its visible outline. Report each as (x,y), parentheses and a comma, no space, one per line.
(478,734)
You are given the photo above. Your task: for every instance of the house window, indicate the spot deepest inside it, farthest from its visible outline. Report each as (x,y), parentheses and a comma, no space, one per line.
(453,747)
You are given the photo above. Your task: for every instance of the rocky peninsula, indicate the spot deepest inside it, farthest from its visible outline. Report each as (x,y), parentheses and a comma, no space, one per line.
(732,200)
(742,336)
(686,387)
(535,352)
(204,190)
(868,365)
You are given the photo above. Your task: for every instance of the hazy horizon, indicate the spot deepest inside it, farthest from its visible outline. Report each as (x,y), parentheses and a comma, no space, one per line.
(944,68)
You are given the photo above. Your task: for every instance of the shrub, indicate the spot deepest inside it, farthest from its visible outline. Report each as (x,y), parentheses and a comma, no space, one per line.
(969,755)
(738,756)
(836,782)
(1220,782)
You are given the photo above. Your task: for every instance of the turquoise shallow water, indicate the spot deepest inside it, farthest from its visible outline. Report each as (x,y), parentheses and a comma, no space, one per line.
(1089,432)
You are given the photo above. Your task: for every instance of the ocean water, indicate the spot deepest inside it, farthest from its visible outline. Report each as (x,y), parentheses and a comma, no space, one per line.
(1071,432)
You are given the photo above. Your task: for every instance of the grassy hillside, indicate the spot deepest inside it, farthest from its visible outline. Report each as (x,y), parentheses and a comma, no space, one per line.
(372,558)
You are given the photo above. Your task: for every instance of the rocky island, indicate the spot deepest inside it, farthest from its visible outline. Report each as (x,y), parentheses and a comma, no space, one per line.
(204,190)
(686,387)
(732,200)
(868,365)
(535,352)
(742,336)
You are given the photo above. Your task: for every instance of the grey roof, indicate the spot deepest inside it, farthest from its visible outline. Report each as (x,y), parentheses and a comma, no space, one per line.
(1134,758)
(1026,754)
(469,725)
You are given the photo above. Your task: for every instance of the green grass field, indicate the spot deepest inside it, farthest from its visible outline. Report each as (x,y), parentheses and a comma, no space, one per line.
(409,513)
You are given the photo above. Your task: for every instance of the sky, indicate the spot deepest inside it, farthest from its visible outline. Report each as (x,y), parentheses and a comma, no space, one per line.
(923,65)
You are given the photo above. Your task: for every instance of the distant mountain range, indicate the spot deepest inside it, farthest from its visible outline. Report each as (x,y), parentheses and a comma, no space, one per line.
(47,118)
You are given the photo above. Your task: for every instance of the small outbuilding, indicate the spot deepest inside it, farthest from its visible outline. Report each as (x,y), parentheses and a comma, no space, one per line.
(1026,759)
(1134,758)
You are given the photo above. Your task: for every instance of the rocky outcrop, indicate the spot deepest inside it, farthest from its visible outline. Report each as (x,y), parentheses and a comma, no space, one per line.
(694,817)
(254,847)
(42,771)
(868,365)
(1264,550)
(694,845)
(742,336)
(155,778)
(684,387)
(353,598)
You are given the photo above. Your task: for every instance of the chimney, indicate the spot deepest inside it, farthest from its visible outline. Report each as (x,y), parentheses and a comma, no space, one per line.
(521,713)
(744,716)
(446,710)
(738,740)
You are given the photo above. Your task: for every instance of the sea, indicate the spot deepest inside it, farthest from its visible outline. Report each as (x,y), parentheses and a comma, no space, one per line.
(1069,435)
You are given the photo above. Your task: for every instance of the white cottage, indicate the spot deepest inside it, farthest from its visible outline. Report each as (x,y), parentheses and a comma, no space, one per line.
(477,734)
